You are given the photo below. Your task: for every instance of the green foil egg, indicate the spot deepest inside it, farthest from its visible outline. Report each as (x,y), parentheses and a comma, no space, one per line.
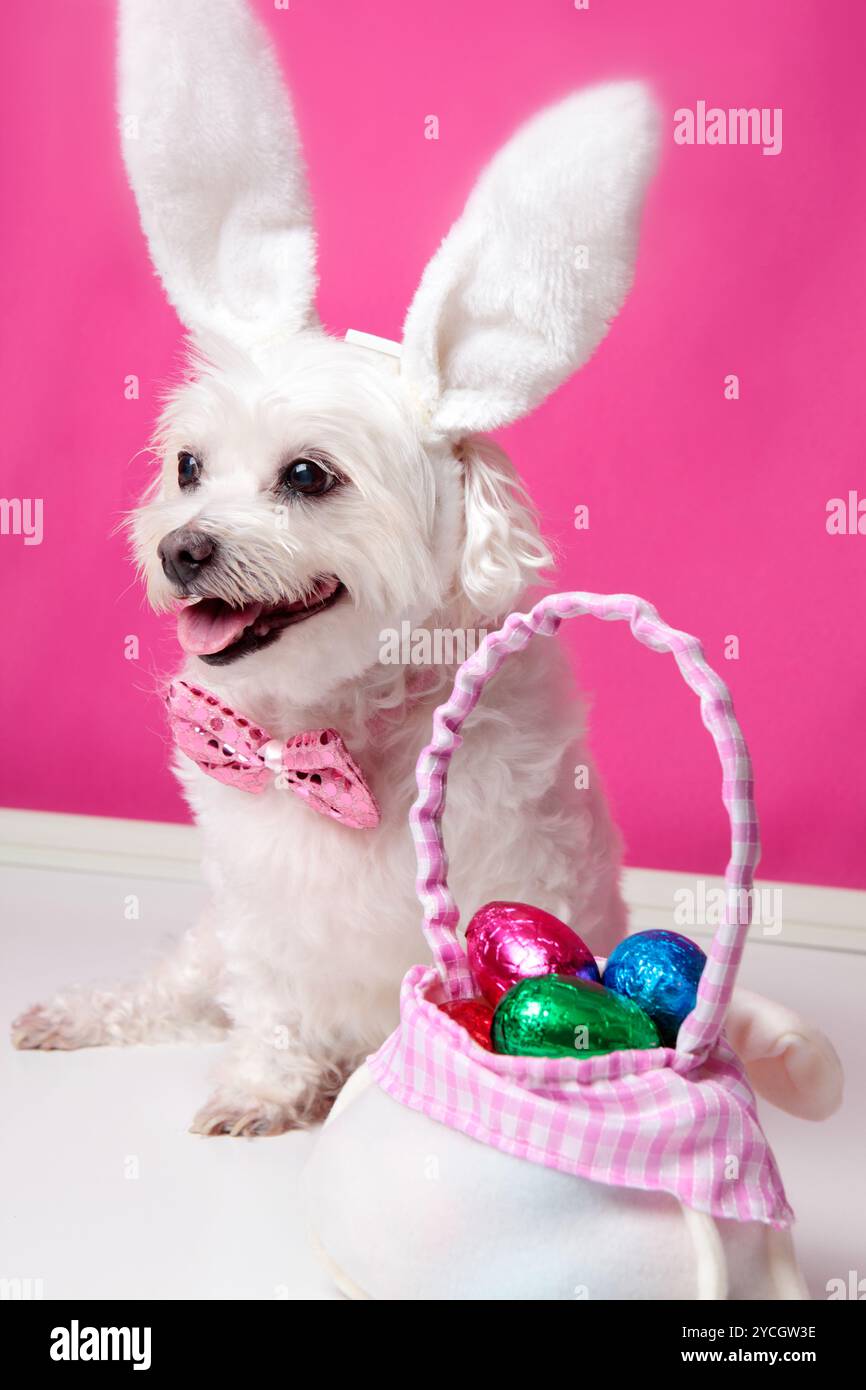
(561,1016)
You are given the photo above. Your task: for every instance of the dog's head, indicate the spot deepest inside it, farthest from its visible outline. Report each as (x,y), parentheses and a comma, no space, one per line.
(313,491)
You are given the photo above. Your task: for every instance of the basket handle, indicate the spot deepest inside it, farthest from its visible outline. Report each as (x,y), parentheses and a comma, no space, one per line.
(441,916)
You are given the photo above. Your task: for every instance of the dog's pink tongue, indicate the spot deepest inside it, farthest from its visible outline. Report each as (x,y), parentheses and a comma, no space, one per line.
(210,625)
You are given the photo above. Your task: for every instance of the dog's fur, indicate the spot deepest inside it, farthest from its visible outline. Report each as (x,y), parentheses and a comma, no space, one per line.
(311,924)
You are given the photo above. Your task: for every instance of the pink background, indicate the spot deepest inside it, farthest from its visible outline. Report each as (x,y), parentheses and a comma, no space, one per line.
(712,509)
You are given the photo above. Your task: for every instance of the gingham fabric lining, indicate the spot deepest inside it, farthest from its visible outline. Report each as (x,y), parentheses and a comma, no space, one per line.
(628,1119)
(681,1121)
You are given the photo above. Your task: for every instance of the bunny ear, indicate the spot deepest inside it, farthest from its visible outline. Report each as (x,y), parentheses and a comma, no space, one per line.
(523,288)
(790,1062)
(213,157)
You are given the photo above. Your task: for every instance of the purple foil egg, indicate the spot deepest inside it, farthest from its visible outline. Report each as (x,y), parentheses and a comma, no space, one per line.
(507,942)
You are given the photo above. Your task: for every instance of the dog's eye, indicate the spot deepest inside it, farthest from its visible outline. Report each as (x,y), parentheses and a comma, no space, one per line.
(188,469)
(307,477)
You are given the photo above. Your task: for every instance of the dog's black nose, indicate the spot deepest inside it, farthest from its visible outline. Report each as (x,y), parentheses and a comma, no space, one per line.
(184,554)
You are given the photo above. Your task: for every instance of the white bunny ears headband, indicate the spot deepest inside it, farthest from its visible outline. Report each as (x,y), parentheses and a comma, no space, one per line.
(518,295)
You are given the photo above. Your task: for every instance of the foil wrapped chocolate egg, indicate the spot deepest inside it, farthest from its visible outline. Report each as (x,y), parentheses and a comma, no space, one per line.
(659,971)
(563,1016)
(507,942)
(475,1015)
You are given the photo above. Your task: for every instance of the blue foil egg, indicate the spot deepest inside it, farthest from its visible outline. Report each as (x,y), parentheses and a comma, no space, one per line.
(659,971)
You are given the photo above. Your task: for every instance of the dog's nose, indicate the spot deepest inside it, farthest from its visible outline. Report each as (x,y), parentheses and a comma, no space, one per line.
(184,554)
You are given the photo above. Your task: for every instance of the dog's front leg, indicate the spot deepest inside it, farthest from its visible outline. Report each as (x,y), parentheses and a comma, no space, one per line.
(175,1001)
(266,1087)
(273,1076)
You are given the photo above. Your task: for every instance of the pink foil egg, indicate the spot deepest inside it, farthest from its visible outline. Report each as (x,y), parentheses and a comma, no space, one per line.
(507,942)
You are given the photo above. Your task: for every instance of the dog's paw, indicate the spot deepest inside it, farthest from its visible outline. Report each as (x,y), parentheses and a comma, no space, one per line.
(248,1119)
(46,1028)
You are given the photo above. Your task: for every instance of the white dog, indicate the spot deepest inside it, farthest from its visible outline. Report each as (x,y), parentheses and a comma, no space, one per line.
(314,495)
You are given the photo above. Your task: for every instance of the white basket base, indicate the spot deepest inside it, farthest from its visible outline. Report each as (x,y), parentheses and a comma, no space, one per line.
(402,1208)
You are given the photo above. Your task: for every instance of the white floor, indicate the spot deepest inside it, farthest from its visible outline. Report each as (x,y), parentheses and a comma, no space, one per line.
(107,1196)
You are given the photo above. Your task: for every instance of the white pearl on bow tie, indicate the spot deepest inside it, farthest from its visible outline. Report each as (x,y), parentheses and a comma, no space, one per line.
(272,753)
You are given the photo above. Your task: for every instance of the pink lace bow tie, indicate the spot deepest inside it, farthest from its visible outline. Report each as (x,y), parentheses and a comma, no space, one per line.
(315,764)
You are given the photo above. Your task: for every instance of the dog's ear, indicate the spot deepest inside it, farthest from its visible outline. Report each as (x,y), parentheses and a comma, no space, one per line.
(213,157)
(502,546)
(523,287)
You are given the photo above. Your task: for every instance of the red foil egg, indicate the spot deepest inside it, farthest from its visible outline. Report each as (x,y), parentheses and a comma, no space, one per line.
(475,1015)
(507,942)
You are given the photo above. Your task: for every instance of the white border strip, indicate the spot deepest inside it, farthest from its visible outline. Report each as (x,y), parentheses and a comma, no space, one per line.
(98,845)
(831,919)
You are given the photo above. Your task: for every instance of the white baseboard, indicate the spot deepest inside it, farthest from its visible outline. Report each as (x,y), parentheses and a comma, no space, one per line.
(98,844)
(831,919)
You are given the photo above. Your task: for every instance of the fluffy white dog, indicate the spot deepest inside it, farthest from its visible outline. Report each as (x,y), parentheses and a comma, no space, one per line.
(313,496)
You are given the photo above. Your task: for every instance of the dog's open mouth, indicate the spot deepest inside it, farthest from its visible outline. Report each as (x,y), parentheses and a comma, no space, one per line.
(216,633)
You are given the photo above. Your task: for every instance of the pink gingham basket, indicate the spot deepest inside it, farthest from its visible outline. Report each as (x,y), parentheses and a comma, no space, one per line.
(677,1120)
